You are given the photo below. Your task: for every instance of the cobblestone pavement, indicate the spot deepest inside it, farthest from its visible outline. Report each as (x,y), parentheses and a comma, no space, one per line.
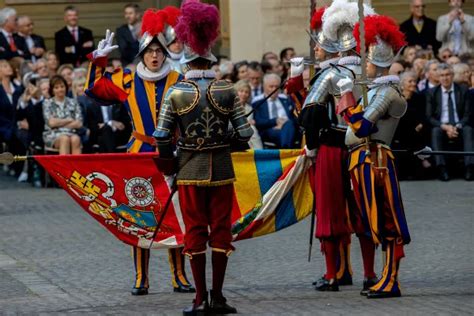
(55,259)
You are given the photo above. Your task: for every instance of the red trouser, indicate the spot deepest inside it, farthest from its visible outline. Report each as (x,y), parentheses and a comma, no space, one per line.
(205,207)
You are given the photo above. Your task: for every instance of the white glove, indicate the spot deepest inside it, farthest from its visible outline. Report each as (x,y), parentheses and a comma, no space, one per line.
(310,153)
(105,46)
(297,66)
(345,84)
(425,151)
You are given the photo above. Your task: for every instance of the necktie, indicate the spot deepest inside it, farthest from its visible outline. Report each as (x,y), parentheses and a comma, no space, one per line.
(12,43)
(451,109)
(274,109)
(255,92)
(418,25)
(74,33)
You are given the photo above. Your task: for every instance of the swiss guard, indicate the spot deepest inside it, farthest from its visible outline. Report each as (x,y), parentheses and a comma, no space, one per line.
(142,91)
(200,107)
(371,161)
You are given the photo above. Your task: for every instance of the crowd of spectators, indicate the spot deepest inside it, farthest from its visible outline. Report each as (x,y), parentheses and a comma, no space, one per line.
(43,107)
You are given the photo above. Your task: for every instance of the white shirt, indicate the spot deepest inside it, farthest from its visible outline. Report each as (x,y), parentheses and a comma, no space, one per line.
(6,34)
(444,105)
(281,113)
(105,114)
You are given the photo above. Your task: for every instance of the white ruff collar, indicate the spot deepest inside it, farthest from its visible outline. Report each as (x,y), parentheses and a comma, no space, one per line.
(199,74)
(349,60)
(387,79)
(148,75)
(325,64)
(176,57)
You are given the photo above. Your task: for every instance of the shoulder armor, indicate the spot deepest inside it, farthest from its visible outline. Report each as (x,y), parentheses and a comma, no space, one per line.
(385,100)
(184,96)
(221,95)
(321,88)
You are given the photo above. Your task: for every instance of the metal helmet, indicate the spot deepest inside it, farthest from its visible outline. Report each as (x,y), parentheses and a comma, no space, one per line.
(323,42)
(381,53)
(147,39)
(189,55)
(345,39)
(170,35)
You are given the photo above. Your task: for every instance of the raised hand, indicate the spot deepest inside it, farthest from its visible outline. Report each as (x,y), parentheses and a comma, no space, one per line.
(105,46)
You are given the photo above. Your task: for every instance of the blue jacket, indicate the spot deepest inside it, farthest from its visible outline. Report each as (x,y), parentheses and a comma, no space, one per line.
(261,116)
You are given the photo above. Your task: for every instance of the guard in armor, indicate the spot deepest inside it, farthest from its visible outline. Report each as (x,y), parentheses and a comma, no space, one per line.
(325,133)
(142,92)
(174,46)
(371,161)
(200,108)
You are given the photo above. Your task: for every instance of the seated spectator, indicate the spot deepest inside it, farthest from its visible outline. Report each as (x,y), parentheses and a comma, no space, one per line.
(63,118)
(44,88)
(52,62)
(10,92)
(34,42)
(240,71)
(41,68)
(444,54)
(286,54)
(448,108)
(242,88)
(397,68)
(431,79)
(462,74)
(455,30)
(419,67)
(11,44)
(255,78)
(411,132)
(409,54)
(17,63)
(274,118)
(31,108)
(79,73)
(65,71)
(226,70)
(269,55)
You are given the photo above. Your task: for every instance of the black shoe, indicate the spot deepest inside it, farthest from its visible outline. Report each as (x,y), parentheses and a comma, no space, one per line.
(184,289)
(327,286)
(345,280)
(368,283)
(139,291)
(380,294)
(469,175)
(319,281)
(200,310)
(443,174)
(220,306)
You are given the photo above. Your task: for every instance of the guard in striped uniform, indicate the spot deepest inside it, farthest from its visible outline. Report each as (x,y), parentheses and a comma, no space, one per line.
(371,161)
(142,92)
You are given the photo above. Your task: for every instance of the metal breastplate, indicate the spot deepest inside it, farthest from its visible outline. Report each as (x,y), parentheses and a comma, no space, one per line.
(204,110)
(386,107)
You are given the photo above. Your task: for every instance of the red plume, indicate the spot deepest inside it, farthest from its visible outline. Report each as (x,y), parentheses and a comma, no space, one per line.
(198,25)
(173,14)
(317,19)
(153,21)
(383,27)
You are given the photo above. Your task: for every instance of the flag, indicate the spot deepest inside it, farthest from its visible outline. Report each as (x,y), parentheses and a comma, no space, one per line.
(126,194)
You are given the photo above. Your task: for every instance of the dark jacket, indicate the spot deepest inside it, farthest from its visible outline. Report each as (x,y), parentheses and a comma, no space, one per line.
(426,37)
(8,112)
(21,47)
(261,116)
(463,105)
(33,113)
(128,45)
(64,41)
(406,136)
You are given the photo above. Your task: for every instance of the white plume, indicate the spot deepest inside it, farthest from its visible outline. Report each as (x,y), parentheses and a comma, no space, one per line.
(342,12)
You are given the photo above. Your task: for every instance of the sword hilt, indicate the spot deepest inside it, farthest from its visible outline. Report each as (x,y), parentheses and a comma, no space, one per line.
(8,158)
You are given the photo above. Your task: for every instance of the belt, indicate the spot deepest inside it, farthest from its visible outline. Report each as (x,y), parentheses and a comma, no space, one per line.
(144,138)
(372,143)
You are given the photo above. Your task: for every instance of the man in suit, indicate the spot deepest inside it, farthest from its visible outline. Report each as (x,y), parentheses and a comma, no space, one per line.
(128,34)
(419,29)
(255,79)
(110,126)
(274,118)
(73,42)
(456,30)
(11,44)
(431,76)
(449,108)
(35,43)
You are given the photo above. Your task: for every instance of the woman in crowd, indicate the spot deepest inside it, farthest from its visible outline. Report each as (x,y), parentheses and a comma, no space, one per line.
(66,71)
(462,74)
(412,130)
(10,92)
(41,68)
(52,62)
(409,54)
(242,88)
(240,71)
(63,118)
(43,85)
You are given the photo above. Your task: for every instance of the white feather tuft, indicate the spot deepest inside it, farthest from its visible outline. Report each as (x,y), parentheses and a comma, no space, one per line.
(342,12)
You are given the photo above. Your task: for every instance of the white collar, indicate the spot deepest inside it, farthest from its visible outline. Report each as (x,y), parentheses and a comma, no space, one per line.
(200,74)
(387,79)
(349,60)
(7,34)
(446,90)
(325,64)
(72,28)
(148,75)
(175,56)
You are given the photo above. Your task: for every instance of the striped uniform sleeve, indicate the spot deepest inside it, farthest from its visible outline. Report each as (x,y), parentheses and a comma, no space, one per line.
(106,87)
